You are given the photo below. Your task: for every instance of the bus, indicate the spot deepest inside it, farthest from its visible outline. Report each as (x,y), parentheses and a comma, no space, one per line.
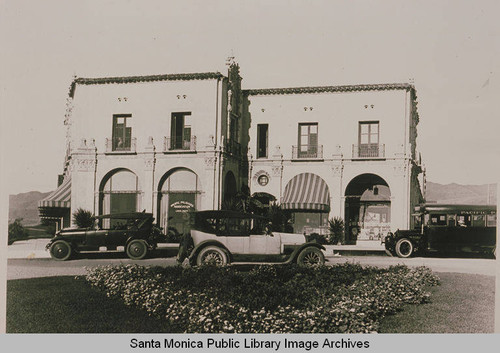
(446,229)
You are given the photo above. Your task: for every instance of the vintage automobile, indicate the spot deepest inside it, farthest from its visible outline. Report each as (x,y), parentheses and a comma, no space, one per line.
(133,232)
(446,229)
(223,237)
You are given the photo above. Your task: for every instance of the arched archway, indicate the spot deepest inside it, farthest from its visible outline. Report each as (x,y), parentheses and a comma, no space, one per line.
(119,192)
(230,188)
(178,192)
(367,208)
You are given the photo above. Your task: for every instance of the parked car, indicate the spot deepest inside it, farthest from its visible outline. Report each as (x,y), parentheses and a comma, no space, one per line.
(133,233)
(223,237)
(447,229)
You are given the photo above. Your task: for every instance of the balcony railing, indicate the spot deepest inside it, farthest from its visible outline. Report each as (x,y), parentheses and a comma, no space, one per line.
(179,144)
(121,145)
(368,151)
(307,152)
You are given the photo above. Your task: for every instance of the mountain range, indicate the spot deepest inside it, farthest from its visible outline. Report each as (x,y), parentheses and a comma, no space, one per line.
(25,205)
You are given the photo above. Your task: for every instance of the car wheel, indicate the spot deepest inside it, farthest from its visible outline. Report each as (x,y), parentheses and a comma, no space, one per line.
(212,255)
(60,250)
(311,256)
(137,249)
(404,248)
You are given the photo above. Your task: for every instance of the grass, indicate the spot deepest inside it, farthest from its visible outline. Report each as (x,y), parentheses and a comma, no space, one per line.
(68,305)
(463,303)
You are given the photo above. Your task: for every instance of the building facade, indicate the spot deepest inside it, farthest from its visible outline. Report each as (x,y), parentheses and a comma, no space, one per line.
(338,151)
(168,144)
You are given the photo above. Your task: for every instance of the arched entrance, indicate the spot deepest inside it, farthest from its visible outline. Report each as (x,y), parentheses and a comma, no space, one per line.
(119,192)
(367,208)
(308,198)
(178,191)
(230,188)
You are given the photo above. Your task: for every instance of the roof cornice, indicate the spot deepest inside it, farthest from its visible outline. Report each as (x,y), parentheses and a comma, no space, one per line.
(149,78)
(327,89)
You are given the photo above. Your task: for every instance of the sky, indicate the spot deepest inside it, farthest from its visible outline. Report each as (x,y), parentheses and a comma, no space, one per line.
(449,49)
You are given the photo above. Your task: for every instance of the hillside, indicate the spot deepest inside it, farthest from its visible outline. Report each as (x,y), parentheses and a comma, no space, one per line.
(25,205)
(461,194)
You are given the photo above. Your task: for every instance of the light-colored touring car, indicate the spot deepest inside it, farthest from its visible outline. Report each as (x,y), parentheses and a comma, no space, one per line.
(223,237)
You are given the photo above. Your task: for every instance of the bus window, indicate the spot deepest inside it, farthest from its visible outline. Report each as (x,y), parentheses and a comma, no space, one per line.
(491,220)
(464,220)
(451,220)
(478,221)
(438,219)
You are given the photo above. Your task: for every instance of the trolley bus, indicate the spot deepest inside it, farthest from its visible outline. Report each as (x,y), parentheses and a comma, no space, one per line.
(447,229)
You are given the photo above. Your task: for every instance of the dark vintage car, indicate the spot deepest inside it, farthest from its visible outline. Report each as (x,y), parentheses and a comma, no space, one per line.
(133,233)
(222,237)
(447,229)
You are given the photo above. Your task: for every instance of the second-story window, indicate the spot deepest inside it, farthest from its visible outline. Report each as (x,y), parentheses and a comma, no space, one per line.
(369,139)
(180,131)
(262,140)
(308,140)
(122,132)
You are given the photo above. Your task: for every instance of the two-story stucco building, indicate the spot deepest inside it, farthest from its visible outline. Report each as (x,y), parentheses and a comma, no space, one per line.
(338,151)
(168,144)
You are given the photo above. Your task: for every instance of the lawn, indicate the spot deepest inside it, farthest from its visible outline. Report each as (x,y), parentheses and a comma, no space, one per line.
(463,303)
(68,305)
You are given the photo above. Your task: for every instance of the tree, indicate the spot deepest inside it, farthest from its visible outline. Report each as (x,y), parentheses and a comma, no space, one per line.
(17,231)
(83,218)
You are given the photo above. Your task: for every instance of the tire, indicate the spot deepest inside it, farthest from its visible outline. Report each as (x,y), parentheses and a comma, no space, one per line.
(212,255)
(404,248)
(60,250)
(137,249)
(311,256)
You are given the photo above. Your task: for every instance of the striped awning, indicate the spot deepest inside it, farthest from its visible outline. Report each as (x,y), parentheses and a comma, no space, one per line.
(306,191)
(61,197)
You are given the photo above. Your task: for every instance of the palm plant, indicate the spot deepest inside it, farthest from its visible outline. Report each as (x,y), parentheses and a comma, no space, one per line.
(83,218)
(336,227)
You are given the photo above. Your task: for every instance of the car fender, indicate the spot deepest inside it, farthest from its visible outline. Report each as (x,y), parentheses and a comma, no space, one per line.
(415,237)
(133,237)
(197,249)
(296,252)
(53,240)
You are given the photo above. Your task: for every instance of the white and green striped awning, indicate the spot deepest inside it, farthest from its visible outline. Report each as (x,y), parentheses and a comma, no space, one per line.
(61,197)
(306,191)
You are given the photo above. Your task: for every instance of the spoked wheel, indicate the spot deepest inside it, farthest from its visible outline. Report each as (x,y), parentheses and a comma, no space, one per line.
(404,248)
(311,256)
(137,249)
(212,255)
(60,250)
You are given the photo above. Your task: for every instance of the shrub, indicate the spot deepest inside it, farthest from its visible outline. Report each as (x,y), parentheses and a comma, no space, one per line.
(336,227)
(16,231)
(83,218)
(344,298)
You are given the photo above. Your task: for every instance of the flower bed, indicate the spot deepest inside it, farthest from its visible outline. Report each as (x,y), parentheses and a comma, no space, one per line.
(344,298)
